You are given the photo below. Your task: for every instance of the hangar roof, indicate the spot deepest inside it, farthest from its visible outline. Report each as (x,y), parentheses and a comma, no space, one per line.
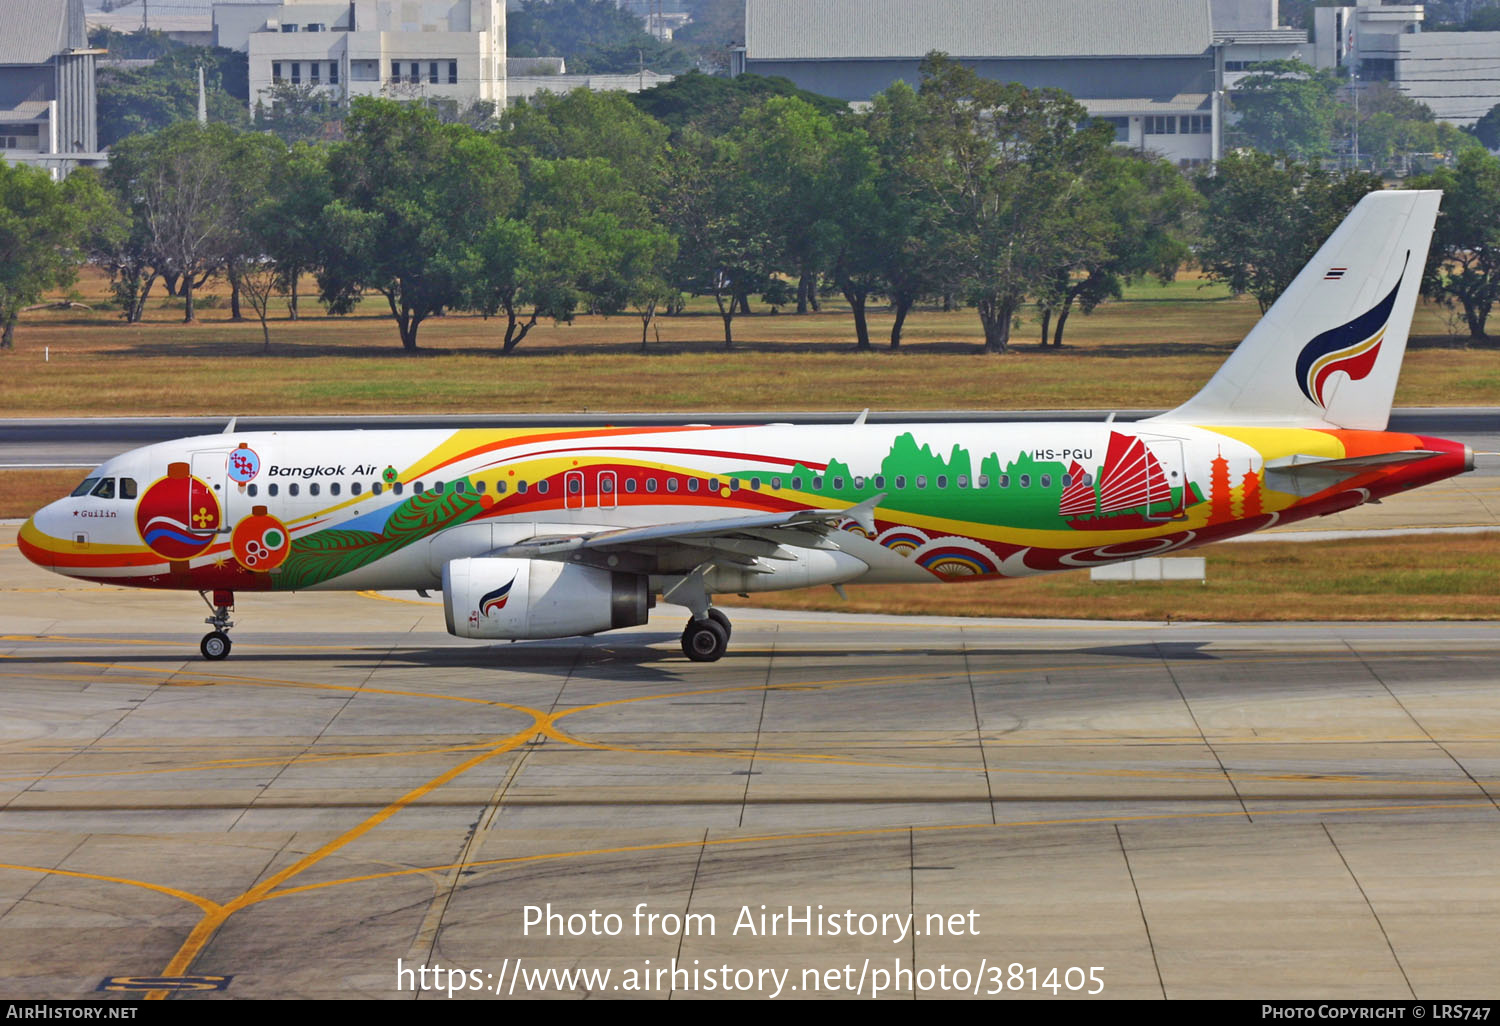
(35,30)
(875,29)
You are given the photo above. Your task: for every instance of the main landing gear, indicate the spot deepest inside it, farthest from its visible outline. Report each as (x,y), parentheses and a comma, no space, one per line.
(705,640)
(215,644)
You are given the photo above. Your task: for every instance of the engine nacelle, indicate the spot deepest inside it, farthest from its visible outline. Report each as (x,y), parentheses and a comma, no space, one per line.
(538,598)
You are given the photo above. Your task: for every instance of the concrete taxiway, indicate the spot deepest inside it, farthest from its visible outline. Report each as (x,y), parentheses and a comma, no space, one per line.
(1209,810)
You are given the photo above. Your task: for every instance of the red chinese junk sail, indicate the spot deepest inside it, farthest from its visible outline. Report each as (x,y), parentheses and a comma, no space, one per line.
(1132,480)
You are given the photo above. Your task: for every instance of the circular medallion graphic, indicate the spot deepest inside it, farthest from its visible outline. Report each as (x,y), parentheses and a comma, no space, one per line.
(178,515)
(260,541)
(390,475)
(244,464)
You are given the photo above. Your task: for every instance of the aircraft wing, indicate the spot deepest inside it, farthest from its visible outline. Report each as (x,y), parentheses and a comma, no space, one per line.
(734,540)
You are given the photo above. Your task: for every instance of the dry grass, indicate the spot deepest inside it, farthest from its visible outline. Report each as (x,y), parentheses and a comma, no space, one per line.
(1432,577)
(23,492)
(84,363)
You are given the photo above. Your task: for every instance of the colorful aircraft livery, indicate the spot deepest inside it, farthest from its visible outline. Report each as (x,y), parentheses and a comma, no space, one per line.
(549,533)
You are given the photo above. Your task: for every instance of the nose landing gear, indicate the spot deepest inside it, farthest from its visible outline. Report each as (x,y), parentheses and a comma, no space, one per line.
(215,644)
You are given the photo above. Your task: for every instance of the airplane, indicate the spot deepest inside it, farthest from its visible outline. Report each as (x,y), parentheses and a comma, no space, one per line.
(550,533)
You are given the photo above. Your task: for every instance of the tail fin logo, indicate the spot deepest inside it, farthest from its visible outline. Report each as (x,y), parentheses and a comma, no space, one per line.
(496,599)
(1352,347)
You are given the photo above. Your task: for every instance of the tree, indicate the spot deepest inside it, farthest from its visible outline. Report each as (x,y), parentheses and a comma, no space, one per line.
(912,259)
(1009,166)
(1487,128)
(595,36)
(725,248)
(1144,204)
(298,113)
(179,184)
(149,99)
(1463,263)
(714,105)
(1264,219)
(45,229)
(410,197)
(582,124)
(1286,107)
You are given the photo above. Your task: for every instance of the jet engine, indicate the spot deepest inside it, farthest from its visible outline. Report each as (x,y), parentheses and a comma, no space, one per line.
(538,598)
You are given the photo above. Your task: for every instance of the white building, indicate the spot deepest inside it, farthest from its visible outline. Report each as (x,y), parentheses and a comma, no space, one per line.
(429,49)
(528,76)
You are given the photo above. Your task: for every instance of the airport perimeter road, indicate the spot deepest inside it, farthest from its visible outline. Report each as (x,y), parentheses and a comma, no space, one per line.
(87,442)
(355,798)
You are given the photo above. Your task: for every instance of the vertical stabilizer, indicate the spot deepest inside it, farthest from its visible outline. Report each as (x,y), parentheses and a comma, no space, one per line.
(1328,352)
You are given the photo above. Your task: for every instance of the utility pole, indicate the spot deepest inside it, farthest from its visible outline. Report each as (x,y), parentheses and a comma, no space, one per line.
(1355,80)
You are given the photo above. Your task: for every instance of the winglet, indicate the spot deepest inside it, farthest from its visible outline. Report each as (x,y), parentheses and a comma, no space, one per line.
(229,428)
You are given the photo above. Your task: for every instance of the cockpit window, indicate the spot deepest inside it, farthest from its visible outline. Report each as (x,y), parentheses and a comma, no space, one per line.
(105,489)
(127,487)
(86,487)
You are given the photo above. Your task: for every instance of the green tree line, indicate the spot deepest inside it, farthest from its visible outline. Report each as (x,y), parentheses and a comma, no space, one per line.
(964,191)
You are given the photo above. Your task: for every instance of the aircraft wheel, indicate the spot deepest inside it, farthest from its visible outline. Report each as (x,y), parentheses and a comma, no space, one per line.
(704,641)
(718,617)
(214,646)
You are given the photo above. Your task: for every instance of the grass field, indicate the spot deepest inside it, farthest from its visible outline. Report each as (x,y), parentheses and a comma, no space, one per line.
(1432,577)
(1151,350)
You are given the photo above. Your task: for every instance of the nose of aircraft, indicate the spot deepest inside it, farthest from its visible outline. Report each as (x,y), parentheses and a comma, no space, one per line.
(39,536)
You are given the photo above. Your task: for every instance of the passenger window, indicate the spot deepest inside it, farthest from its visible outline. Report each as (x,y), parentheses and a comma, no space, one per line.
(293,488)
(1067,480)
(312,489)
(963,481)
(755,483)
(983,481)
(606,484)
(1004,480)
(416,487)
(375,489)
(1046,480)
(437,486)
(499,487)
(900,481)
(817,483)
(734,484)
(1025,481)
(796,484)
(671,484)
(355,488)
(838,483)
(713,484)
(776,483)
(942,481)
(879,480)
(692,484)
(541,487)
(253,490)
(574,486)
(921,480)
(105,489)
(398,487)
(127,487)
(859,482)
(335,488)
(650,484)
(479,486)
(458,486)
(272,489)
(86,486)
(521,487)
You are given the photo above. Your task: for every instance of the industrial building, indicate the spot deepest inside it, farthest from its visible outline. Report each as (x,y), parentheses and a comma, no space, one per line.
(48,115)
(428,49)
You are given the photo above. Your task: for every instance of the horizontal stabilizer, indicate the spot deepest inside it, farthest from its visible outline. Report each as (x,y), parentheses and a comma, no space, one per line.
(1304,475)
